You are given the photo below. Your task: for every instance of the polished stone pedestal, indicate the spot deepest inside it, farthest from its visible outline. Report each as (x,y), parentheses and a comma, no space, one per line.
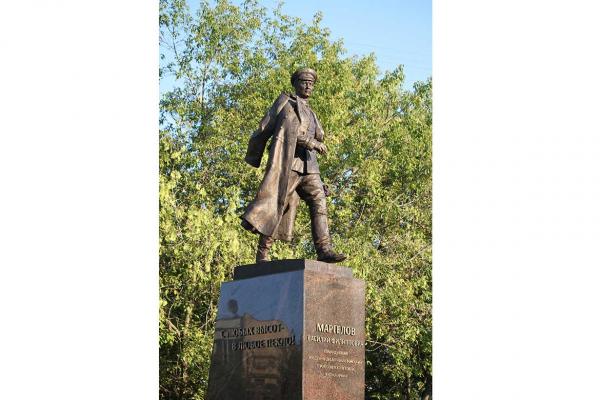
(289,330)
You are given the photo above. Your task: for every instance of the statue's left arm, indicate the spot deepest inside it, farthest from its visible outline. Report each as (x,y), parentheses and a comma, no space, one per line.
(319,134)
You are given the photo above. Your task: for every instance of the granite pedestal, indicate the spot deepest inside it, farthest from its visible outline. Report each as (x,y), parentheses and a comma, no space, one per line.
(289,330)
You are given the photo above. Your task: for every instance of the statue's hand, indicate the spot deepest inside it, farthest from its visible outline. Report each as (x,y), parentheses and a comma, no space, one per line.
(321,148)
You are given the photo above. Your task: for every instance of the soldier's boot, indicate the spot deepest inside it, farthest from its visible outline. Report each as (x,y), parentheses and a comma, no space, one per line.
(264,245)
(321,237)
(327,255)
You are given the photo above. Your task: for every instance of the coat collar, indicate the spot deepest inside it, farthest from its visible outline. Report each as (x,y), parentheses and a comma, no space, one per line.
(300,106)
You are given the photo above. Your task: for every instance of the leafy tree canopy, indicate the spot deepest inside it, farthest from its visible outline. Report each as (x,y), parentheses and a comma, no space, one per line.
(231,62)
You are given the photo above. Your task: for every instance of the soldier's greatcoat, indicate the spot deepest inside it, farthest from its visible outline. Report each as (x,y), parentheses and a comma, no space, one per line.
(273,212)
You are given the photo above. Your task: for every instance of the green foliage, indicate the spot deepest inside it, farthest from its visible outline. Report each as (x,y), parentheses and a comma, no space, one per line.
(231,62)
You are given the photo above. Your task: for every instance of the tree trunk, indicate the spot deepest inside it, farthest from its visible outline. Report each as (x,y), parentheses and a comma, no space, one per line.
(427,392)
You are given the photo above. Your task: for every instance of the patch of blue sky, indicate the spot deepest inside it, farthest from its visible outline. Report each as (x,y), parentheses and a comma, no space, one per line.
(397,32)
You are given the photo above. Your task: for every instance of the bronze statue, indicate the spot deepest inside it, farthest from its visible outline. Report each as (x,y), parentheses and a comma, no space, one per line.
(292,172)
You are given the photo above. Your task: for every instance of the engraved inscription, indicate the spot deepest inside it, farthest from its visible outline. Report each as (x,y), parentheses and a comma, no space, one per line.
(334,340)
(336,329)
(251,331)
(264,343)
(240,338)
(336,363)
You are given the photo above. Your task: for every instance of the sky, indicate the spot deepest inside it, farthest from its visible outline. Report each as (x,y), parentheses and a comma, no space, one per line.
(397,32)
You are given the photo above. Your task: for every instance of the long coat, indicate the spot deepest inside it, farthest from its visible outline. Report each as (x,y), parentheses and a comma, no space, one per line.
(271,212)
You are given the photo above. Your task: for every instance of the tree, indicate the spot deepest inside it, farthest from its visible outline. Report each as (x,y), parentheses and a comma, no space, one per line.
(230,63)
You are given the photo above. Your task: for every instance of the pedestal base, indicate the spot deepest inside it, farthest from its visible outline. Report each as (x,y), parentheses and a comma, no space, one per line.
(289,330)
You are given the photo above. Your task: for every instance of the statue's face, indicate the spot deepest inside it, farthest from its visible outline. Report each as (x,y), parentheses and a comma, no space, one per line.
(304,86)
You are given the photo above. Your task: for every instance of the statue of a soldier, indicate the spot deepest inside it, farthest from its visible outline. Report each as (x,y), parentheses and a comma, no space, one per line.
(292,172)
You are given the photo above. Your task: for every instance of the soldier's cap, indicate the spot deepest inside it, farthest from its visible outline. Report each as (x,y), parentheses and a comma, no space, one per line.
(304,71)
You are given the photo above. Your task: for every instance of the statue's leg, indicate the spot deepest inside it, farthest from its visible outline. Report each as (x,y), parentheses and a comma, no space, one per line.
(264,245)
(265,242)
(315,198)
(248,226)
(311,190)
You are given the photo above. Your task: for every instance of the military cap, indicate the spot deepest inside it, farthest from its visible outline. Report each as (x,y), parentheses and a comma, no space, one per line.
(304,71)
